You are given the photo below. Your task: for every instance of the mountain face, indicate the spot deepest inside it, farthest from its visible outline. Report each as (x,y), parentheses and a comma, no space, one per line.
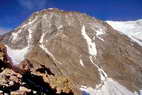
(98,59)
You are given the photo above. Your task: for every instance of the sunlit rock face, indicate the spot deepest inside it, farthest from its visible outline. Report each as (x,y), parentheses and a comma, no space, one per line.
(91,53)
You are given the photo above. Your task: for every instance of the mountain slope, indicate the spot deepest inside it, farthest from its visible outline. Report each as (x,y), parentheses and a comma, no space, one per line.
(91,53)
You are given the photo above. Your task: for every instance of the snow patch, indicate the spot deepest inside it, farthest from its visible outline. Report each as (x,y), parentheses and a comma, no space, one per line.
(110,87)
(17,55)
(42,38)
(15,35)
(91,44)
(60,27)
(99,33)
(81,63)
(30,36)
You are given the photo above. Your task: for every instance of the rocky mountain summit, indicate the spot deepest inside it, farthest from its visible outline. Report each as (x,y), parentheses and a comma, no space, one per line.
(87,54)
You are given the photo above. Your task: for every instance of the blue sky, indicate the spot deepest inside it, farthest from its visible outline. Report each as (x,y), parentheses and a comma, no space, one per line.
(14,12)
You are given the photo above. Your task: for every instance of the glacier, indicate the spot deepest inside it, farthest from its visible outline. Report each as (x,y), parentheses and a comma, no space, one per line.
(132,29)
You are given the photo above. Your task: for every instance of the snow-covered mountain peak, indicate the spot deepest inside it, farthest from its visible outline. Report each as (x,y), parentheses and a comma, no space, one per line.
(86,50)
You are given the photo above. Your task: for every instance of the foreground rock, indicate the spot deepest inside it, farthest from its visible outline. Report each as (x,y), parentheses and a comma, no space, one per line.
(4,59)
(26,80)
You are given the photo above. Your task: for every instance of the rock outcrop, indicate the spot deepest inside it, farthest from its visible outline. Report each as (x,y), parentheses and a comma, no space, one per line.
(4,59)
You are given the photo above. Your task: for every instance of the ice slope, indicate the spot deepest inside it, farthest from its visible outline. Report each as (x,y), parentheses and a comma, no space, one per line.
(132,29)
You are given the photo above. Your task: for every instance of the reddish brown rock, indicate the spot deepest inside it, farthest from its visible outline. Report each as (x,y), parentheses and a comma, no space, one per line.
(25,66)
(9,80)
(61,84)
(4,59)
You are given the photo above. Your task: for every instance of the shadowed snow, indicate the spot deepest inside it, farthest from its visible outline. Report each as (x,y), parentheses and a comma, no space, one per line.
(17,55)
